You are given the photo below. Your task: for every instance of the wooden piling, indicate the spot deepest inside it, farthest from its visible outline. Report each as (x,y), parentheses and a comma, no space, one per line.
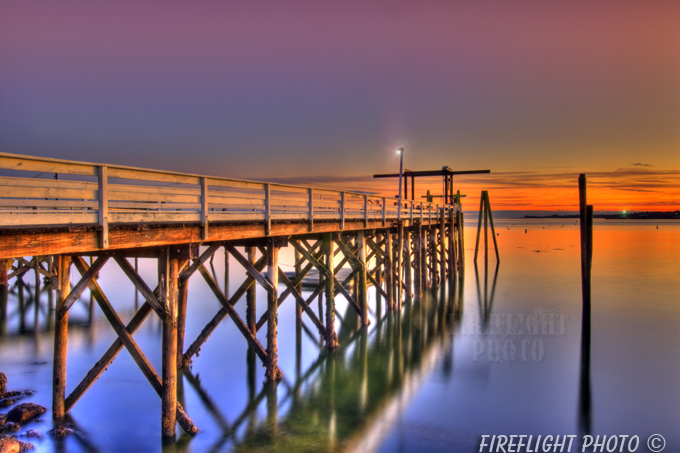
(272,372)
(3,273)
(329,252)
(182,293)
(461,242)
(451,246)
(424,259)
(226,272)
(167,277)
(60,337)
(389,270)
(442,247)
(251,299)
(298,287)
(408,257)
(417,261)
(363,286)
(400,264)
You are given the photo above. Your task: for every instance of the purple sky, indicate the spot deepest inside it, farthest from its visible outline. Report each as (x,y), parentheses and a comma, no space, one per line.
(289,89)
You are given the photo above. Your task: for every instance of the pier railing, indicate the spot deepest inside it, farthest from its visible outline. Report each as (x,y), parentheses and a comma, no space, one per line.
(36,191)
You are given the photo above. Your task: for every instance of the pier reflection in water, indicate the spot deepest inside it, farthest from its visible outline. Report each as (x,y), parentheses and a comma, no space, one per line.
(335,402)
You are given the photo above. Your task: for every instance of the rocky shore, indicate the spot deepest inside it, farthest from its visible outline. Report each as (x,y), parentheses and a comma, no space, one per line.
(19,414)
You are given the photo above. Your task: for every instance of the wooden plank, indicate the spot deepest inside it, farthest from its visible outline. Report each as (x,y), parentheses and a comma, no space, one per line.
(48,218)
(154,216)
(10,181)
(152,175)
(49,192)
(53,204)
(44,165)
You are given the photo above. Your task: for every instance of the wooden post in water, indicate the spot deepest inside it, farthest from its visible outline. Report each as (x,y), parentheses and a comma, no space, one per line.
(329,252)
(442,248)
(226,273)
(408,259)
(298,271)
(251,300)
(389,270)
(452,246)
(363,286)
(485,211)
(424,259)
(167,278)
(272,372)
(182,293)
(432,249)
(400,263)
(60,337)
(417,261)
(586,226)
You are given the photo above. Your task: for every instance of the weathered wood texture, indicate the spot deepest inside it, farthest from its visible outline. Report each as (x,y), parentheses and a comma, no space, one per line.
(92,207)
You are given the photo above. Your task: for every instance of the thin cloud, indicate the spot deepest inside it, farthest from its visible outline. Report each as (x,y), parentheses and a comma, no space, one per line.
(638,164)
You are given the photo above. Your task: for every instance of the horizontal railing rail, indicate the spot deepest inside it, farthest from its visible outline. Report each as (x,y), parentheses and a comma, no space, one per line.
(37,191)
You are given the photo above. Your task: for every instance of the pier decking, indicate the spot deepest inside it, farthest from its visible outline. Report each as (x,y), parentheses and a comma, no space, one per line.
(57,212)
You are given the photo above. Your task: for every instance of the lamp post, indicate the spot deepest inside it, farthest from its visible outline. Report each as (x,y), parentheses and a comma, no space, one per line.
(400,151)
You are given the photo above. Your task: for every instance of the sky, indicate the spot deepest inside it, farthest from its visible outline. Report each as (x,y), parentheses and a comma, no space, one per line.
(323,92)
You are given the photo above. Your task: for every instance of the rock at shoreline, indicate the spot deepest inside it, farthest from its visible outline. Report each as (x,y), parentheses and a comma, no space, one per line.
(9,428)
(25,412)
(60,432)
(9,445)
(3,382)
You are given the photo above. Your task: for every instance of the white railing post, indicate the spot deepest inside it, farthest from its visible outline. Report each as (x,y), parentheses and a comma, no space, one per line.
(310,219)
(342,210)
(411,210)
(103,198)
(267,210)
(421,212)
(204,208)
(365,211)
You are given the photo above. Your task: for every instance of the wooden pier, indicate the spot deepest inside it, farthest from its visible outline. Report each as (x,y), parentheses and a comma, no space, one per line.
(55,213)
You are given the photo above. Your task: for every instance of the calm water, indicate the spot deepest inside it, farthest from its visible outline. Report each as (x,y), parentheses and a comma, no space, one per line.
(499,353)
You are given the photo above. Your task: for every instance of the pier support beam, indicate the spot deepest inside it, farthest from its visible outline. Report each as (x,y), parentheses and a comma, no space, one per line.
(417,261)
(408,260)
(329,253)
(167,277)
(389,270)
(273,373)
(60,337)
(363,286)
(251,300)
(442,248)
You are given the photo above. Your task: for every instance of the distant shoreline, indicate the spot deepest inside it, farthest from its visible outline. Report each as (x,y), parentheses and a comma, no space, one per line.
(644,215)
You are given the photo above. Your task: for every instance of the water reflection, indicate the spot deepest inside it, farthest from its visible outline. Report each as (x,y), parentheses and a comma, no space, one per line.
(485,298)
(335,401)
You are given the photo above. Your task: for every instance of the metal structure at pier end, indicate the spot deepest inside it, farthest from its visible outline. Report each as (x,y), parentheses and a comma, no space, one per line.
(55,213)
